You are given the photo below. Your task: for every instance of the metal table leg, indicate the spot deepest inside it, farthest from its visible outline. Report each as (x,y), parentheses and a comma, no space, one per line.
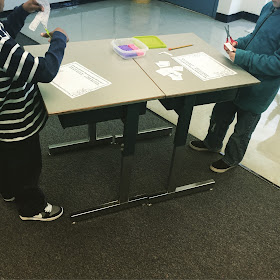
(131,121)
(184,112)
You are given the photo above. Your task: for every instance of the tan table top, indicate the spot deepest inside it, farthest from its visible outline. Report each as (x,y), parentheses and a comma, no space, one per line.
(131,83)
(190,84)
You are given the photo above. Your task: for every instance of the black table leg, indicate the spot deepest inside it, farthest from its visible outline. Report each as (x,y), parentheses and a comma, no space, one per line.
(131,121)
(184,110)
(129,139)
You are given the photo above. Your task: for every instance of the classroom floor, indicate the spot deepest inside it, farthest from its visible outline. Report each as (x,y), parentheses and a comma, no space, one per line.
(126,18)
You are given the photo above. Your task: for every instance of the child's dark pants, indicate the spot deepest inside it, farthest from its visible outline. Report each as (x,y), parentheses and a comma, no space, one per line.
(222,116)
(20,168)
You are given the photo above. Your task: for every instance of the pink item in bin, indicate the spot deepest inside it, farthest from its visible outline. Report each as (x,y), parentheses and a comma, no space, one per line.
(139,53)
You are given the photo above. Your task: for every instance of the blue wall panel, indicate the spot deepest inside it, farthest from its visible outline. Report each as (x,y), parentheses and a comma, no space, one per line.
(207,7)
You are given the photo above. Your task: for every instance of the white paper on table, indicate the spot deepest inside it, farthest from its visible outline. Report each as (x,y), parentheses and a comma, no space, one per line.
(204,66)
(176,73)
(178,68)
(165,71)
(42,17)
(75,80)
(163,63)
(175,77)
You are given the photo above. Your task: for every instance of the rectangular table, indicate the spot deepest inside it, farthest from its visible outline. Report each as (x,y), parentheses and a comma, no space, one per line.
(134,82)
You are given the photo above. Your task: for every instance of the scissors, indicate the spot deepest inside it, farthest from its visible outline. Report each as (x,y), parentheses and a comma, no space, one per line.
(229,39)
(48,32)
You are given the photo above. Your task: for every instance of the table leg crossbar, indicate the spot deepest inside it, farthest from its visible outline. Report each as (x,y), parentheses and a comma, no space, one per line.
(93,140)
(116,206)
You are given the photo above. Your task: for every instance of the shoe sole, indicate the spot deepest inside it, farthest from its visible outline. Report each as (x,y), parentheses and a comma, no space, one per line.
(42,219)
(202,149)
(220,170)
(9,199)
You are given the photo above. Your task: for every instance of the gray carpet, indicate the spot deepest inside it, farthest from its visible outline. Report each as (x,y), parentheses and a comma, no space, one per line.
(231,232)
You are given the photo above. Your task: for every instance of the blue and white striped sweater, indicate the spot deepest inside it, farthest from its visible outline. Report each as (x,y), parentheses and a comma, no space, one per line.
(22,110)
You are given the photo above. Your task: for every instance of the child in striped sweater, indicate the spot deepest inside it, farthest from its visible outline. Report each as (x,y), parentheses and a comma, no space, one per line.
(23,114)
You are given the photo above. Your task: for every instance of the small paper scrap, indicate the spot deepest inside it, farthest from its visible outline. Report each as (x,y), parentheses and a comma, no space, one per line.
(170,72)
(165,71)
(163,63)
(166,53)
(175,77)
(42,17)
(229,46)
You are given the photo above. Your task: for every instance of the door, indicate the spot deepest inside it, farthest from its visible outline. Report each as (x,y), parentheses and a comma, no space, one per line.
(207,7)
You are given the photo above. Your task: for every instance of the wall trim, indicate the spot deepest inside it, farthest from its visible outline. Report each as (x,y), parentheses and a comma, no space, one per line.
(239,15)
(71,3)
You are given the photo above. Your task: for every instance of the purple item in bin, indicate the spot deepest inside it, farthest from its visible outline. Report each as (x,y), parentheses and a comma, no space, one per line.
(125,48)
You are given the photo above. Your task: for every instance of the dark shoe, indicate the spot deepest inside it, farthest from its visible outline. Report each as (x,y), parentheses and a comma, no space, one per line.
(200,146)
(9,199)
(50,213)
(220,166)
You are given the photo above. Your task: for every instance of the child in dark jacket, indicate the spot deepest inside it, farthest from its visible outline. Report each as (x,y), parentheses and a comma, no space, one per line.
(23,114)
(259,54)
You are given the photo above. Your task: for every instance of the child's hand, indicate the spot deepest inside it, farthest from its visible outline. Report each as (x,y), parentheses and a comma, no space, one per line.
(45,35)
(230,53)
(32,6)
(231,56)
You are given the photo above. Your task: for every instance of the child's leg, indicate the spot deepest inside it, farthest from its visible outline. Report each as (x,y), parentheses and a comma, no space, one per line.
(24,168)
(222,116)
(239,140)
(5,187)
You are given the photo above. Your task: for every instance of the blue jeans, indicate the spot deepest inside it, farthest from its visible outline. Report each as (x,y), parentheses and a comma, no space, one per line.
(222,116)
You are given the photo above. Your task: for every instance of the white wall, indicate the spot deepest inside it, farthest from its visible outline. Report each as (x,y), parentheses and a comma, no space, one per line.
(229,7)
(254,7)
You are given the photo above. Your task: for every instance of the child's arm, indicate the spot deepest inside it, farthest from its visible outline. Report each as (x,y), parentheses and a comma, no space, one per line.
(260,64)
(15,21)
(242,41)
(23,67)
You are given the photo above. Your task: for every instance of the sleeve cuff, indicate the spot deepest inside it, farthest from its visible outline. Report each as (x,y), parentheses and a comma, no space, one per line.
(24,13)
(238,56)
(58,34)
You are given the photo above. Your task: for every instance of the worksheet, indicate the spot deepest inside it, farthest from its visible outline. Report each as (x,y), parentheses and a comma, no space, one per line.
(204,66)
(75,80)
